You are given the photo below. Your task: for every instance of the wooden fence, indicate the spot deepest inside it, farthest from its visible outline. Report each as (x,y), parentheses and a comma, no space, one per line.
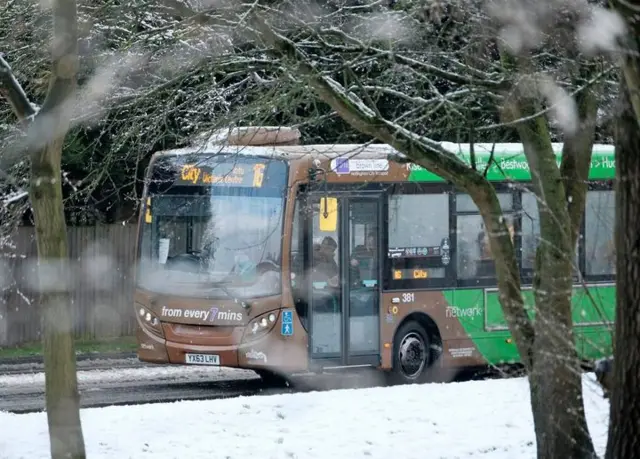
(100,276)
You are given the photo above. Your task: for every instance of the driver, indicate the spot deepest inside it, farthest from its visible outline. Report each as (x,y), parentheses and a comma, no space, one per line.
(324,260)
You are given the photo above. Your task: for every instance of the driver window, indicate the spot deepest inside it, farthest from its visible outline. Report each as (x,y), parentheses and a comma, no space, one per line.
(175,230)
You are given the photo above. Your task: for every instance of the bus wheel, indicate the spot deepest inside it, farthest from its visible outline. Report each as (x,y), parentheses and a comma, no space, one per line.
(411,357)
(272,378)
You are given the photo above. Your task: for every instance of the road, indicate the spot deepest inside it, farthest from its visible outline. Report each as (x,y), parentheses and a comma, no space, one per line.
(117,383)
(126,381)
(100,395)
(31,367)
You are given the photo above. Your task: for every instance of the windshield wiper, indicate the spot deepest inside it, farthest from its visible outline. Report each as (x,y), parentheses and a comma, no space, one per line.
(244,303)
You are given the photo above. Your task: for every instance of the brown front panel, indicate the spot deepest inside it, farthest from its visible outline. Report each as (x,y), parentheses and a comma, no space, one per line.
(204,312)
(284,353)
(235,345)
(199,335)
(151,348)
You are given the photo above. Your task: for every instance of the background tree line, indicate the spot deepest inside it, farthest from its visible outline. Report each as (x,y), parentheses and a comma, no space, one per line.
(178,77)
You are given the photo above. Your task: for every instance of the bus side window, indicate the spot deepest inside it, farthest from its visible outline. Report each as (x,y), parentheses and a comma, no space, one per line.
(474,259)
(599,232)
(530,232)
(418,235)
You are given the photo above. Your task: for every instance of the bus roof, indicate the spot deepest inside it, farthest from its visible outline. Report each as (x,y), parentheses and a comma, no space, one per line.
(509,162)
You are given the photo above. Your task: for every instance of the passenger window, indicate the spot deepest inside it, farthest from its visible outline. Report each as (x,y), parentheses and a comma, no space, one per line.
(599,233)
(530,231)
(418,236)
(363,244)
(473,256)
(464,203)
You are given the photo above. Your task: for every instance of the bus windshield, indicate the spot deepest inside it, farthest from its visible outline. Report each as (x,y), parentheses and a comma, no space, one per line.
(218,236)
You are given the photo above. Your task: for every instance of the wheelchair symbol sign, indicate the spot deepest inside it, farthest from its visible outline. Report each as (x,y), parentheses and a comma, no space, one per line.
(287,323)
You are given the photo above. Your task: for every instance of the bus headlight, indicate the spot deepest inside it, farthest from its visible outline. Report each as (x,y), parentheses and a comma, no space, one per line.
(149,321)
(260,325)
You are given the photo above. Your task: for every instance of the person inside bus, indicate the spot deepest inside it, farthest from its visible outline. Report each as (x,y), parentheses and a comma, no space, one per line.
(485,264)
(324,261)
(363,258)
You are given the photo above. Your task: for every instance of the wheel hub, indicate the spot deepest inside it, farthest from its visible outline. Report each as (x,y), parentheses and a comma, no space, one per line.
(412,355)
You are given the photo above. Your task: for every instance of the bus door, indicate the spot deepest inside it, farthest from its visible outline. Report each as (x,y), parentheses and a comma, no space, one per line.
(344,280)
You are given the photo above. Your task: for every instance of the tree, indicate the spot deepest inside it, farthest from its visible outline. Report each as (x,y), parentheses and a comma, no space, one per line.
(46,129)
(624,424)
(168,76)
(526,98)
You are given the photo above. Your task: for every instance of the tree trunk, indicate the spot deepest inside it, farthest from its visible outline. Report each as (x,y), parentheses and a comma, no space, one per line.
(47,130)
(53,120)
(62,399)
(556,379)
(624,424)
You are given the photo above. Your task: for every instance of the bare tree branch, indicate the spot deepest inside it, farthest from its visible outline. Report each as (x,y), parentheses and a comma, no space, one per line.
(12,91)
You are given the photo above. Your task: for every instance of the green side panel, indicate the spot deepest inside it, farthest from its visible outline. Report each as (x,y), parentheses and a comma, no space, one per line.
(480,313)
(493,342)
(593,315)
(514,166)
(495,319)
(593,305)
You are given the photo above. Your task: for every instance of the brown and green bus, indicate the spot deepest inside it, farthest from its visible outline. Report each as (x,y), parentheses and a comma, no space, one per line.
(285,258)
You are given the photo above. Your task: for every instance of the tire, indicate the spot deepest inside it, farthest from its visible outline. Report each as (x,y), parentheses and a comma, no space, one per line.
(411,354)
(272,378)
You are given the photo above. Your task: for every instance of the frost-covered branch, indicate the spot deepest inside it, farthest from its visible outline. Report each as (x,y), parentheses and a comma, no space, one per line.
(12,91)
(359,47)
(15,197)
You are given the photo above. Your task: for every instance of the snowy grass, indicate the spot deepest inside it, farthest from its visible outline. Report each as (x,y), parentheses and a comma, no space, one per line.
(480,419)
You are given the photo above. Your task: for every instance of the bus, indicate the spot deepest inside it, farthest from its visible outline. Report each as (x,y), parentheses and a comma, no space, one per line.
(285,258)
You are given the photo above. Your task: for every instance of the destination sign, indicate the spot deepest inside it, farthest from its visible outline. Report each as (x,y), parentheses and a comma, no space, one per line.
(417,273)
(217,173)
(223,174)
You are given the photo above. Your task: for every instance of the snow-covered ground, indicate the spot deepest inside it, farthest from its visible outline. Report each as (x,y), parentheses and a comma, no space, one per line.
(486,419)
(157,374)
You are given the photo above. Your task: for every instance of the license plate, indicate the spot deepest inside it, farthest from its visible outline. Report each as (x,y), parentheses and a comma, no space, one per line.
(202,359)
